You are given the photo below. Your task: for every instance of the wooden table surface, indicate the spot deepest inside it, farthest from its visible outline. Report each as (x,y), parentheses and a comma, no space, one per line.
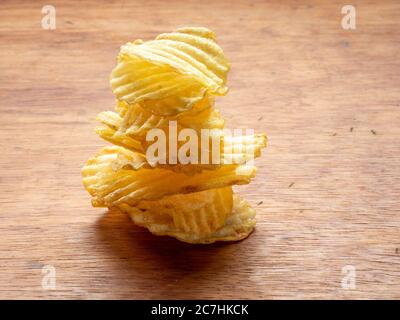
(327,191)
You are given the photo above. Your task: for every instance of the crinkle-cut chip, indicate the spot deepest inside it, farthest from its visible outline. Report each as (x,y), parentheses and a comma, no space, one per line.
(237,225)
(159,89)
(194,51)
(172,73)
(110,187)
(199,213)
(109,134)
(251,148)
(137,121)
(130,132)
(234,151)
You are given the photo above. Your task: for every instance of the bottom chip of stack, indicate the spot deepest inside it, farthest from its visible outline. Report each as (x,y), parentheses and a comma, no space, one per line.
(202,217)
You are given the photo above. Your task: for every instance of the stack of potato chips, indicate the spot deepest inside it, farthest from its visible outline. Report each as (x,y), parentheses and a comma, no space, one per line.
(167,86)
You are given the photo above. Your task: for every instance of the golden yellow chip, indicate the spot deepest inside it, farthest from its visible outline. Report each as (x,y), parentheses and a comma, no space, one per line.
(130,132)
(111,187)
(172,73)
(200,213)
(135,121)
(227,219)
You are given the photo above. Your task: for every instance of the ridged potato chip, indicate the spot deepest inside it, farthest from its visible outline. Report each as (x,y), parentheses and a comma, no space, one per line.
(227,219)
(110,187)
(135,121)
(199,213)
(172,73)
(233,150)
(130,132)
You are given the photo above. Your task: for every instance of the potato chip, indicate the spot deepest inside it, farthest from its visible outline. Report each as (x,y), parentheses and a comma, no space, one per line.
(235,221)
(233,151)
(109,134)
(200,213)
(130,132)
(135,121)
(110,188)
(172,73)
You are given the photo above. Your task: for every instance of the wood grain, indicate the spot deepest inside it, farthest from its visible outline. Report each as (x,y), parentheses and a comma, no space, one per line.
(327,191)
